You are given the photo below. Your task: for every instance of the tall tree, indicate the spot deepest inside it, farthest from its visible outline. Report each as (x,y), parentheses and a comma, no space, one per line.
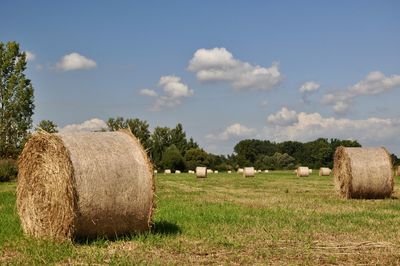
(16,100)
(161,139)
(178,138)
(47,125)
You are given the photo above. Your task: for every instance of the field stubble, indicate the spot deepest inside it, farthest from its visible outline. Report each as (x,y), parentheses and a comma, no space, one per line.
(272,218)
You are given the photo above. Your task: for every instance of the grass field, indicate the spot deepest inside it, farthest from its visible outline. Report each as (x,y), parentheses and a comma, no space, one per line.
(273,218)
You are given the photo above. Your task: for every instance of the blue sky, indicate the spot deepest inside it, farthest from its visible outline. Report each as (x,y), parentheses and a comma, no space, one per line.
(226,70)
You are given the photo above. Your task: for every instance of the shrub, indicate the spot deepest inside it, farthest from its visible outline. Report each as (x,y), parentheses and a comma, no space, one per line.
(8,170)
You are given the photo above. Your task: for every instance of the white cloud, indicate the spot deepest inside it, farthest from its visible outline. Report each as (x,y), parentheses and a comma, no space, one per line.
(309,126)
(219,65)
(234,131)
(374,83)
(309,86)
(148,92)
(30,56)
(174,91)
(283,117)
(93,124)
(75,61)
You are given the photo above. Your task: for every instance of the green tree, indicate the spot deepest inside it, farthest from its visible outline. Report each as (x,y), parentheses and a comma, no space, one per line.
(160,139)
(172,159)
(196,157)
(139,128)
(16,100)
(178,138)
(47,125)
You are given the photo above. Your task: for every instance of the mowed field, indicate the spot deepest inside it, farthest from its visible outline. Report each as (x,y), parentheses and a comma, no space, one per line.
(274,218)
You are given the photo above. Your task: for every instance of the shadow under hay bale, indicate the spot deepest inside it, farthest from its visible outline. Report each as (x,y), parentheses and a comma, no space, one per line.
(76,185)
(364,173)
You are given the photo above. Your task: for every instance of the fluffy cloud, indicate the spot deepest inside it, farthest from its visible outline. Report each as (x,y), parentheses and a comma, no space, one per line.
(93,124)
(234,131)
(309,86)
(219,65)
(309,126)
(374,83)
(30,56)
(174,91)
(148,92)
(283,117)
(75,61)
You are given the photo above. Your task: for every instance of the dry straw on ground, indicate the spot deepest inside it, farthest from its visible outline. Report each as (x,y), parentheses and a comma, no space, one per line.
(302,171)
(248,172)
(363,173)
(324,171)
(84,185)
(201,172)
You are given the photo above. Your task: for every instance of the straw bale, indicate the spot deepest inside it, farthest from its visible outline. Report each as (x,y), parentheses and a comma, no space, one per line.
(248,172)
(84,185)
(303,171)
(324,171)
(363,173)
(201,172)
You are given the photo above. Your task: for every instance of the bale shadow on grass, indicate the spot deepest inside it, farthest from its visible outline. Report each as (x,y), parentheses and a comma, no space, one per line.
(163,228)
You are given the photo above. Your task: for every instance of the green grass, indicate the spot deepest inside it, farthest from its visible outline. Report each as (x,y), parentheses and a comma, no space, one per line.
(273,218)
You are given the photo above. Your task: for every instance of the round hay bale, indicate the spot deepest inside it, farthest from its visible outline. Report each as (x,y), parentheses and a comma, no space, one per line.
(216,172)
(310,170)
(177,172)
(240,171)
(229,172)
(363,173)
(248,172)
(209,171)
(266,171)
(84,185)
(324,171)
(302,171)
(155,171)
(167,171)
(201,172)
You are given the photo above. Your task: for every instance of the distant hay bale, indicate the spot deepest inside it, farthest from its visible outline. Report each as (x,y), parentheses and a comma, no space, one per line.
(240,171)
(229,172)
(216,172)
(363,173)
(201,172)
(84,185)
(209,171)
(155,171)
(266,171)
(302,171)
(324,171)
(177,172)
(310,170)
(190,172)
(248,172)
(167,171)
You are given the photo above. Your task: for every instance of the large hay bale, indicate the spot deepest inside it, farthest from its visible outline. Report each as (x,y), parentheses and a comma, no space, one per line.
(201,172)
(84,185)
(324,171)
(248,172)
(363,173)
(302,171)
